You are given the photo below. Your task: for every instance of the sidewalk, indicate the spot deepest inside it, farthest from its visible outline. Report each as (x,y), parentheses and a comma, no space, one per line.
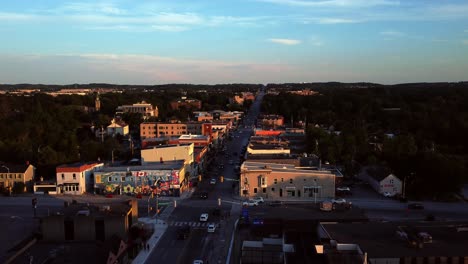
(160,227)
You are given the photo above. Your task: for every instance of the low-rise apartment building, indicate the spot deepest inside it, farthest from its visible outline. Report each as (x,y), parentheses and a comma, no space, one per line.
(159,129)
(145,109)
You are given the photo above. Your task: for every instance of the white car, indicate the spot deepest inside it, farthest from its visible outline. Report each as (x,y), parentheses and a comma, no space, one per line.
(204,217)
(211,228)
(343,189)
(250,203)
(258,199)
(388,194)
(213,181)
(338,201)
(198,261)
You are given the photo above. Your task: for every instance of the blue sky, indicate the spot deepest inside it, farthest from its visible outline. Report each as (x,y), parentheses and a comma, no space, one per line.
(248,41)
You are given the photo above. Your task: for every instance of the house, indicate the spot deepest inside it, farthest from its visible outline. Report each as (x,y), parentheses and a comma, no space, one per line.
(12,175)
(117,127)
(382,180)
(271,120)
(285,181)
(76,178)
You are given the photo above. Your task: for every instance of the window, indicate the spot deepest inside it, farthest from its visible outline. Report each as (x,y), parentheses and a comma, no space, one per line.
(1,176)
(391,181)
(122,178)
(290,180)
(276,181)
(115,179)
(74,176)
(282,179)
(109,179)
(11,177)
(255,190)
(264,190)
(272,189)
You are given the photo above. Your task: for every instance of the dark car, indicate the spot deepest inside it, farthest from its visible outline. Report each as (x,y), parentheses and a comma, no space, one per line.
(183,232)
(204,195)
(416,206)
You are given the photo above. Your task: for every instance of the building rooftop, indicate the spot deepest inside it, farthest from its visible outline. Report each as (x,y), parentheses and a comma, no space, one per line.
(77,167)
(166,165)
(108,209)
(380,240)
(189,137)
(257,165)
(170,146)
(13,168)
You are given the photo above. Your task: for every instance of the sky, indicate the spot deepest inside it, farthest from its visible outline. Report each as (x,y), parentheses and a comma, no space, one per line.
(238,41)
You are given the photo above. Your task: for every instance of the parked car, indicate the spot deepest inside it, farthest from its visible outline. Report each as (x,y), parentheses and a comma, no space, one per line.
(416,206)
(204,217)
(389,194)
(338,201)
(343,189)
(258,199)
(213,181)
(250,203)
(211,228)
(197,261)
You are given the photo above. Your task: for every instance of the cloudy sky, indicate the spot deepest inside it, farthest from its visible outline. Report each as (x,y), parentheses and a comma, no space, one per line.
(220,41)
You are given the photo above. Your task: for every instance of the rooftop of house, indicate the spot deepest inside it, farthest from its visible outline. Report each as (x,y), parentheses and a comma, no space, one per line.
(377,172)
(380,240)
(189,137)
(269,145)
(77,167)
(109,209)
(169,146)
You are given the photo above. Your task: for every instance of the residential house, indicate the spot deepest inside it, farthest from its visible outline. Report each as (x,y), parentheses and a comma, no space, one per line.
(382,180)
(117,127)
(76,178)
(12,174)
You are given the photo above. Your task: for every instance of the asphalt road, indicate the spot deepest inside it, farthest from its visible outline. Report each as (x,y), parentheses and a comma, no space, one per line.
(201,244)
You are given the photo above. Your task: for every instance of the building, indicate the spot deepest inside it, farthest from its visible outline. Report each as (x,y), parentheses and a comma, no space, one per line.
(187,103)
(143,108)
(84,222)
(158,129)
(382,180)
(394,242)
(255,148)
(14,174)
(198,140)
(271,120)
(76,178)
(167,178)
(168,153)
(203,116)
(285,181)
(117,127)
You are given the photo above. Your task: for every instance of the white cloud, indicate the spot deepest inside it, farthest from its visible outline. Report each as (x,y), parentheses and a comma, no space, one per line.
(335,3)
(285,41)
(392,34)
(169,28)
(336,21)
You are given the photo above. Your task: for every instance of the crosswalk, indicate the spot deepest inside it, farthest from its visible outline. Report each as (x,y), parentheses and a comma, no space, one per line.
(192,224)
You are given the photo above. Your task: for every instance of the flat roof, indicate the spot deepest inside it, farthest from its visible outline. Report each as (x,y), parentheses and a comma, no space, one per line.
(380,240)
(167,165)
(278,167)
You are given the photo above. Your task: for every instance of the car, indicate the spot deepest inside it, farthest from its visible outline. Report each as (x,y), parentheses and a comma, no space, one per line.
(211,228)
(183,232)
(388,194)
(338,201)
(197,261)
(213,181)
(343,189)
(258,199)
(416,206)
(204,217)
(250,203)
(204,195)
